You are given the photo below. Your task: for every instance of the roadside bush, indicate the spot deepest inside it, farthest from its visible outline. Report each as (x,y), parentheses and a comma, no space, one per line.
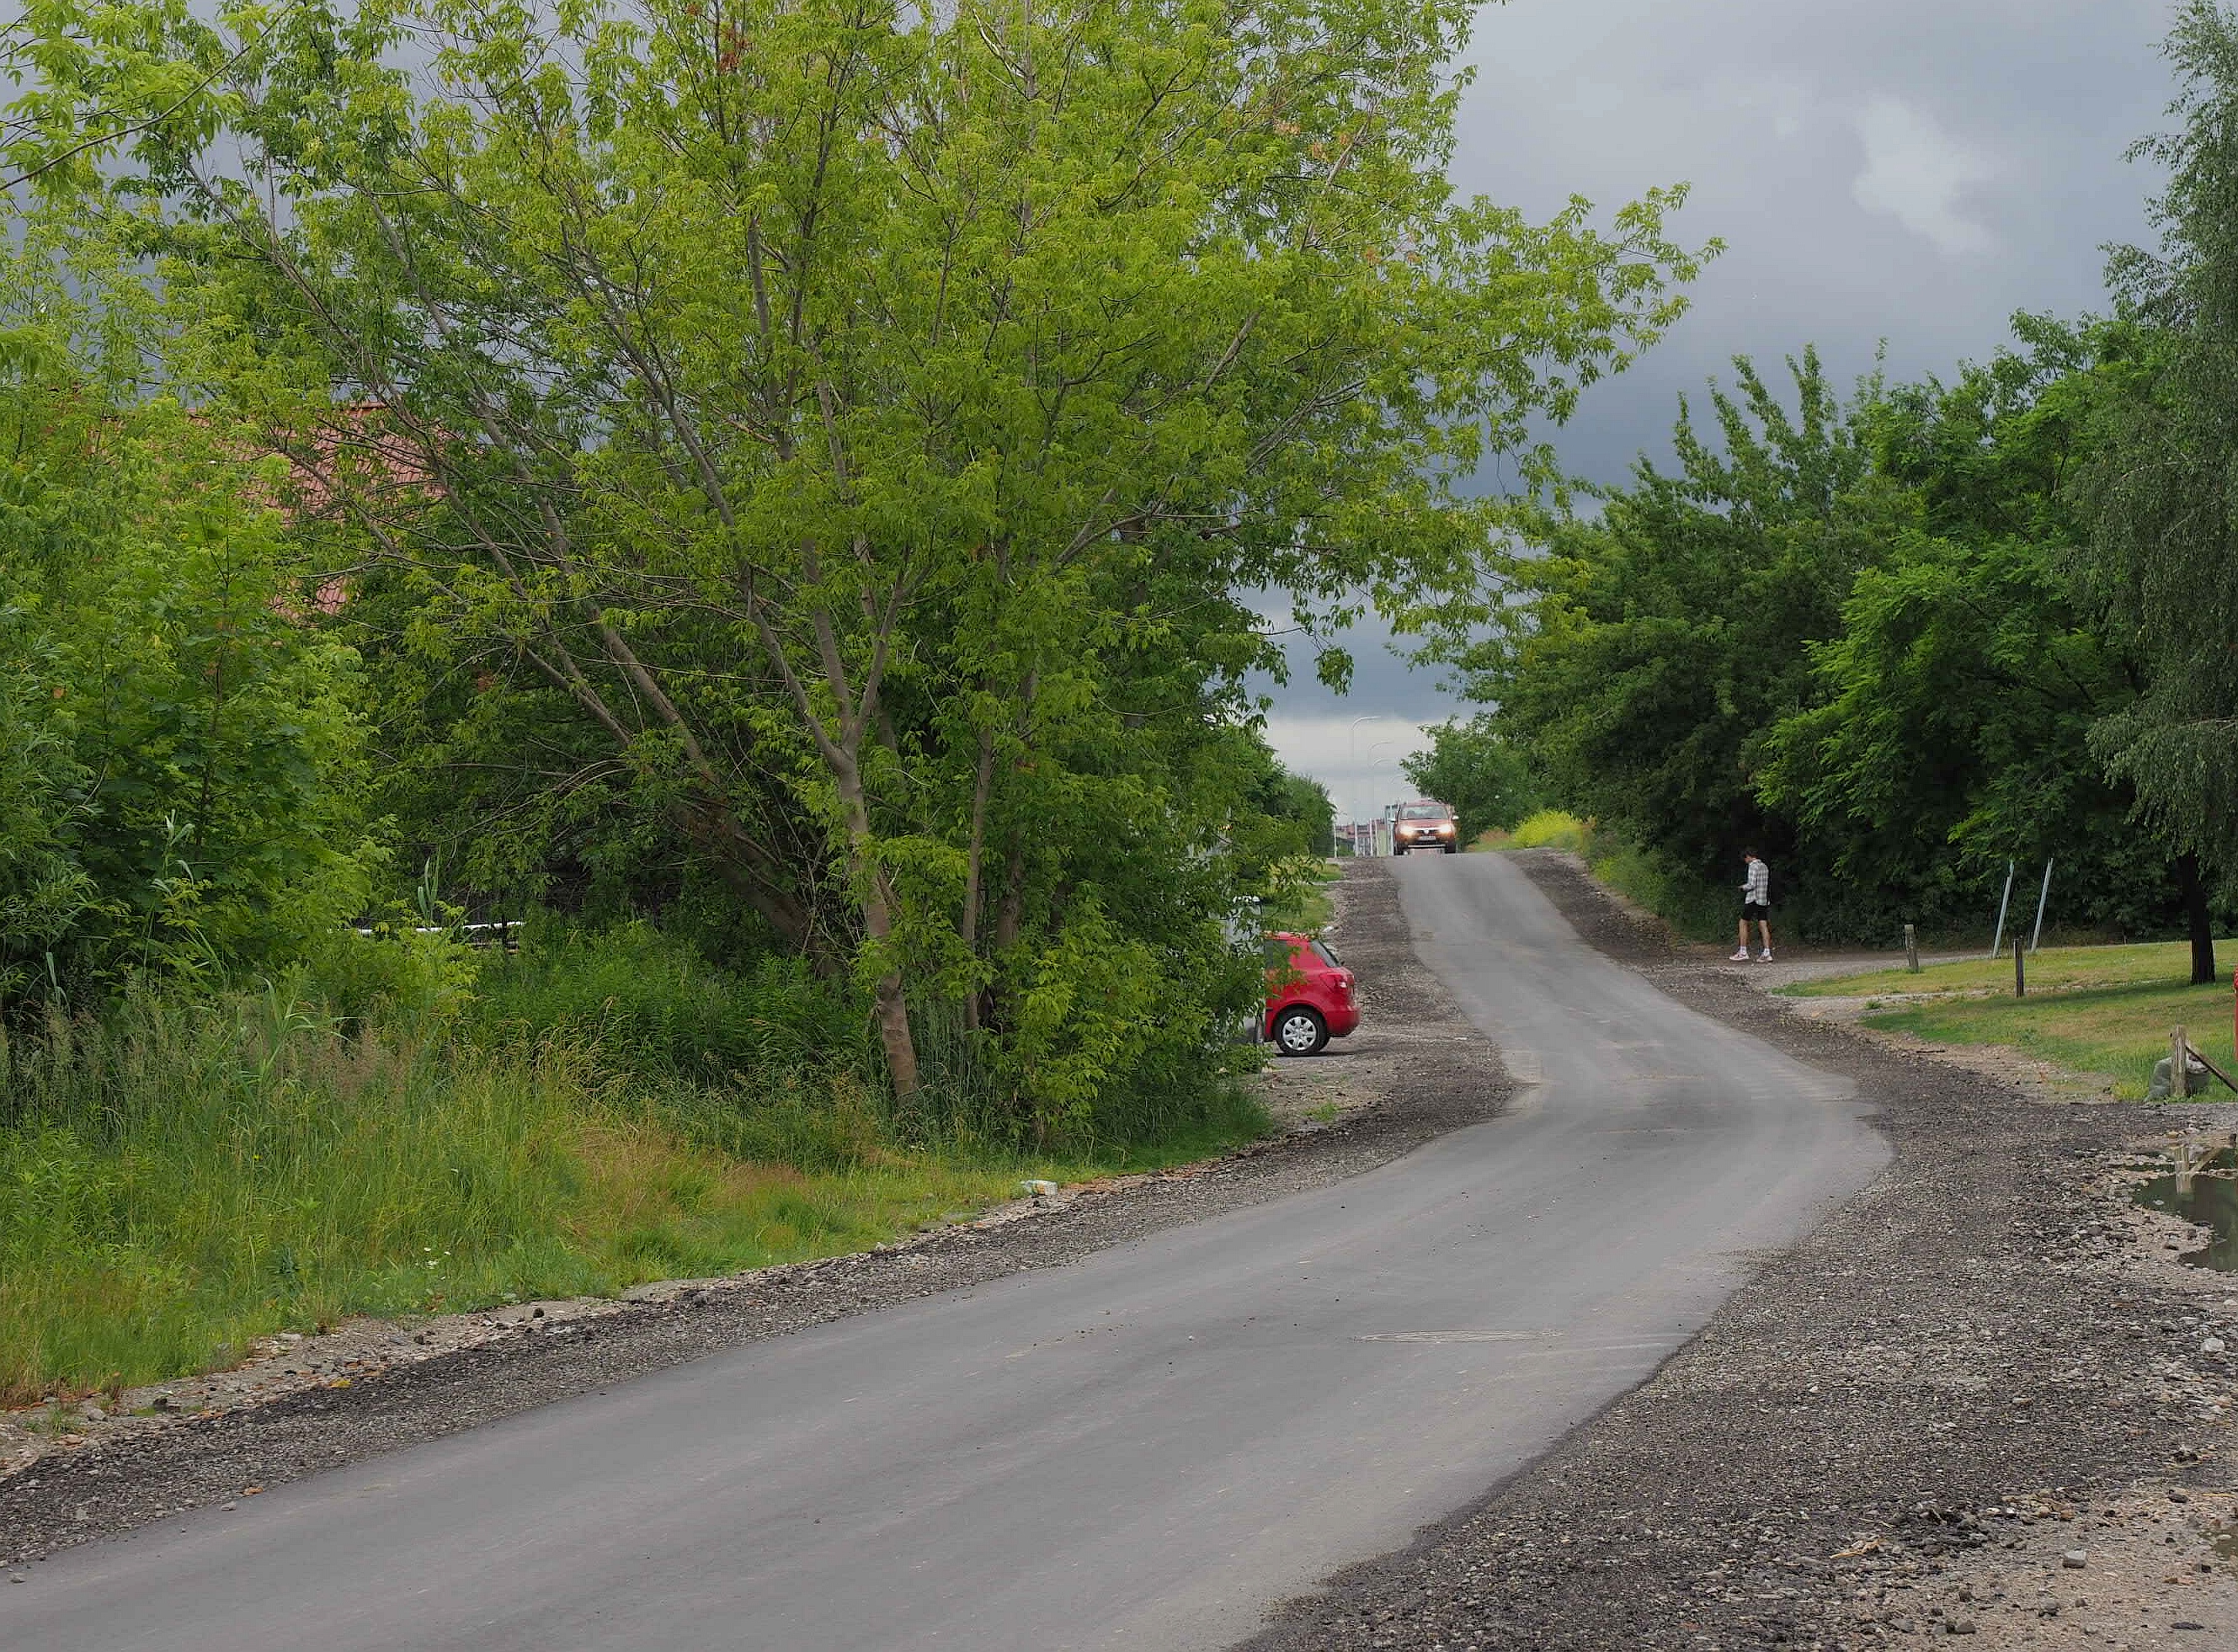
(182,1172)
(397,977)
(652,1005)
(1552,829)
(184,788)
(1695,909)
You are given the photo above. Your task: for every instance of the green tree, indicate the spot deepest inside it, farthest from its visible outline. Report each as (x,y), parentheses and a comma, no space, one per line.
(181,785)
(2163,552)
(1643,655)
(858,417)
(1970,671)
(1472,766)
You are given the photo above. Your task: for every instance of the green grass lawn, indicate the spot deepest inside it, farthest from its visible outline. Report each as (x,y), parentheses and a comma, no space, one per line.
(2105,1010)
(2157,964)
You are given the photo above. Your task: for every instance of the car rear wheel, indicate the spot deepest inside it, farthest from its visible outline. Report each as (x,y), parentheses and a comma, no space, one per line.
(1300,1031)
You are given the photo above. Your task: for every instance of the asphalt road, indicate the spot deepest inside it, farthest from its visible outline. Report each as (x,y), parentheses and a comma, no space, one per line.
(1144,1450)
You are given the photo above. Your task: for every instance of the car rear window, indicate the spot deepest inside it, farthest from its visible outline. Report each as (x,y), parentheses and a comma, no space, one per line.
(1321,950)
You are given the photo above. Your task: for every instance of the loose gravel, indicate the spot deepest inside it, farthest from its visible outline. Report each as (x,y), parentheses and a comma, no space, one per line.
(1900,1427)
(1415,1071)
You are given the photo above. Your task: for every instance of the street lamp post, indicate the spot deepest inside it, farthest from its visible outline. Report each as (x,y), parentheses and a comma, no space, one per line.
(1369,783)
(1352,760)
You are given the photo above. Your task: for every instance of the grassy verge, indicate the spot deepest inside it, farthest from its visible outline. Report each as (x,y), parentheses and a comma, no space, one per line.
(181,1179)
(2053,970)
(1693,909)
(1302,904)
(2104,1010)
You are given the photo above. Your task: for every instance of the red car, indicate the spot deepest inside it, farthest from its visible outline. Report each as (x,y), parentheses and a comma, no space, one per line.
(1310,996)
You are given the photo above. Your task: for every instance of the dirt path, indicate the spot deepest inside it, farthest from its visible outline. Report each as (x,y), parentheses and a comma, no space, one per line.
(1904,1426)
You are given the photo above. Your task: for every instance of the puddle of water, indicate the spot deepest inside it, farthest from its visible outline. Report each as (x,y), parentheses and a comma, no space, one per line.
(2208,1196)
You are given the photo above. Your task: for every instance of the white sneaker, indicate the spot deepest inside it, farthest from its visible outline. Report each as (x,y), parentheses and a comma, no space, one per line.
(1764,957)
(1741,957)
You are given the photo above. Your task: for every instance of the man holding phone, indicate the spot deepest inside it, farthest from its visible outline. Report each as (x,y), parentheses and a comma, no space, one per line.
(1756,903)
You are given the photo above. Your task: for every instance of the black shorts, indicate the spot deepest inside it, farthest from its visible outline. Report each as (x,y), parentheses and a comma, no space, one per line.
(1755,909)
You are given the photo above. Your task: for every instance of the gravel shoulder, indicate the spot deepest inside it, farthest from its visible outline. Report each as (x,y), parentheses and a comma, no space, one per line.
(1982,1400)
(1415,1071)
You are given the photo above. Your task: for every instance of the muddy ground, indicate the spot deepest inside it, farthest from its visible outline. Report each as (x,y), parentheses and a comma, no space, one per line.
(1415,1070)
(1982,1401)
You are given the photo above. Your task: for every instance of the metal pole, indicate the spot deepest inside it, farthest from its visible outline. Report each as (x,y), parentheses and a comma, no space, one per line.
(2020,969)
(1353,748)
(1352,753)
(1997,945)
(1383,847)
(2042,895)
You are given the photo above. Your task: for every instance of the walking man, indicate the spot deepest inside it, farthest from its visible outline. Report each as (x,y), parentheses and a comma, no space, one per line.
(1756,903)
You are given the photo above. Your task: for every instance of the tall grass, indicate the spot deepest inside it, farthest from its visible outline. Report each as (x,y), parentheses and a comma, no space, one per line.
(178,1178)
(657,1009)
(654,1004)
(1550,829)
(1694,908)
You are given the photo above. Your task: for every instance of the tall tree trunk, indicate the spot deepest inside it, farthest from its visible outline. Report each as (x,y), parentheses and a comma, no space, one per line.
(2198,918)
(891,998)
(1010,914)
(982,785)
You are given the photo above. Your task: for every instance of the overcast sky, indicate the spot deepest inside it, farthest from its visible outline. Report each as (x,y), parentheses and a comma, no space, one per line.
(1911,171)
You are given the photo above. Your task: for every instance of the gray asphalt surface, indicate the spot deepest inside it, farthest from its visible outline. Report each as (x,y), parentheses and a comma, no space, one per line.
(1147,1448)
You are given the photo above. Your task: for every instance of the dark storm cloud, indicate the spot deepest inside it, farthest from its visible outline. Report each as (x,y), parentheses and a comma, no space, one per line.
(1908,172)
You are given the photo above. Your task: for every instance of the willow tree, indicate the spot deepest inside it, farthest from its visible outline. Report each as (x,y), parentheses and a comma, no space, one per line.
(770,362)
(2164,489)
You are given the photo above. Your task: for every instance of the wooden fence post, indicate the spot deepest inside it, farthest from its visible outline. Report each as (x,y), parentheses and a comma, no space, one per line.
(1911,948)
